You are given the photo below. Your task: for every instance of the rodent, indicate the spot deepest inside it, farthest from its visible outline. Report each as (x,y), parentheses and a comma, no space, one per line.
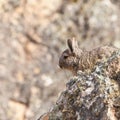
(75,59)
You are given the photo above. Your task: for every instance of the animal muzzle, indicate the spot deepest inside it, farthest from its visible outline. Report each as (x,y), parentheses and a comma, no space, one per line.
(60,65)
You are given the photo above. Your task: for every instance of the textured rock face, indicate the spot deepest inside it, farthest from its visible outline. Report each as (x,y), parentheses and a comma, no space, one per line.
(30,79)
(89,96)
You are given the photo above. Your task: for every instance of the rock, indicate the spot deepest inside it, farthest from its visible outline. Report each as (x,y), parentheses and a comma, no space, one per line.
(16,110)
(89,96)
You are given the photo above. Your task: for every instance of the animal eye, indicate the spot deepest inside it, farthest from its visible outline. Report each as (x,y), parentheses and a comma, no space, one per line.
(65,56)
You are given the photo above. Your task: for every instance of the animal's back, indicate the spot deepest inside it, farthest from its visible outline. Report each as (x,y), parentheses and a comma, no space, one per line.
(89,59)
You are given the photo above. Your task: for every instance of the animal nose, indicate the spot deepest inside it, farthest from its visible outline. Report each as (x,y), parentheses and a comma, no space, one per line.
(60,65)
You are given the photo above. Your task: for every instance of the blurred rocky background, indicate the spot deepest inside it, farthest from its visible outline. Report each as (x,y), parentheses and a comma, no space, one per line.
(33,34)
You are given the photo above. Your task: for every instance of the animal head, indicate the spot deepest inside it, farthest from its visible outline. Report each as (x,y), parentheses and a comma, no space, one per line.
(70,57)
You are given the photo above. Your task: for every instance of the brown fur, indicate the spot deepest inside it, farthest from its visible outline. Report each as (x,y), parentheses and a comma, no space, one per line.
(75,59)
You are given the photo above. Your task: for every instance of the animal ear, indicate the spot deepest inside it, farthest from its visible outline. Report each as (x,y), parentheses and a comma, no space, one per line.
(72,44)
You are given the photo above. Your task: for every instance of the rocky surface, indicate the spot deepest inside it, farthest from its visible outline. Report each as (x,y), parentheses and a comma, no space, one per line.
(89,96)
(32,35)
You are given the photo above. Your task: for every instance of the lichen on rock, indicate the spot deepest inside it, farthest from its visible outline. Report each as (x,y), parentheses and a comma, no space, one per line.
(90,96)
